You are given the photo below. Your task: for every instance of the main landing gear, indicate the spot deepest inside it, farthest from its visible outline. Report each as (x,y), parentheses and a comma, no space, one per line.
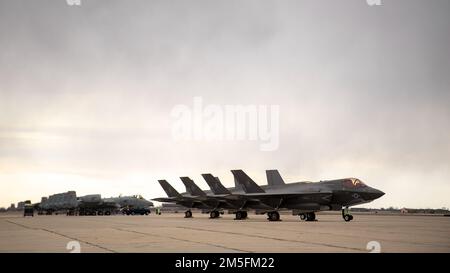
(309,216)
(214,214)
(346,215)
(188,214)
(273,216)
(240,215)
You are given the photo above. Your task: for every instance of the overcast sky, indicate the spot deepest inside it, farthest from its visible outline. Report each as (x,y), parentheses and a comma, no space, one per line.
(86,94)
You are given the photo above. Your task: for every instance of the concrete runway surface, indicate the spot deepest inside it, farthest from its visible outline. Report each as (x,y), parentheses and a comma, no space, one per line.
(173,233)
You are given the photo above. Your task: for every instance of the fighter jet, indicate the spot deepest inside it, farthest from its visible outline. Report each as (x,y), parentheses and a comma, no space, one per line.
(306,198)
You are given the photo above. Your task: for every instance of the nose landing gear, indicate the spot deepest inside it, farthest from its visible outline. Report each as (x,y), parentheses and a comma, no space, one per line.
(346,215)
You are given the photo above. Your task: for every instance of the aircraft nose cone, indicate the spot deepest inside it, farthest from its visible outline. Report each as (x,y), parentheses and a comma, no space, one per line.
(377,193)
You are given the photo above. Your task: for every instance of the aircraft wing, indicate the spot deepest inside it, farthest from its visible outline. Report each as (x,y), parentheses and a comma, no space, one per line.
(179,199)
(306,196)
(162,199)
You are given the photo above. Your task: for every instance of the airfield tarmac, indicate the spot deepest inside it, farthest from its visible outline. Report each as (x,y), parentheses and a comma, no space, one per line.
(170,232)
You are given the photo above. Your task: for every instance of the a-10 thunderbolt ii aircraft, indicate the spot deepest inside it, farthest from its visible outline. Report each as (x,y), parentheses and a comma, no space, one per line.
(132,201)
(304,198)
(135,204)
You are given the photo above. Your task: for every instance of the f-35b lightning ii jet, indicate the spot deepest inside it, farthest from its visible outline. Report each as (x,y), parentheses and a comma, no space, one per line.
(303,198)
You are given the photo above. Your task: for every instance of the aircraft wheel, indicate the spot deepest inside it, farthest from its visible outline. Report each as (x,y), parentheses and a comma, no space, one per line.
(108,213)
(311,216)
(274,216)
(188,214)
(348,218)
(244,214)
(213,214)
(239,215)
(302,216)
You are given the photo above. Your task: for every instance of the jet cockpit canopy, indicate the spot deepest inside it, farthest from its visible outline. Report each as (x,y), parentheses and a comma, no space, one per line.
(353,183)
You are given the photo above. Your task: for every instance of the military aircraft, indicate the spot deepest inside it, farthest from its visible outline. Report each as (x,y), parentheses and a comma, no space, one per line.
(304,198)
(135,204)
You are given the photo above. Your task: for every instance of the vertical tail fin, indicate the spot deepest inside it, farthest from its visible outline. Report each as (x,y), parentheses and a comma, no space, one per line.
(246,182)
(191,187)
(214,184)
(170,191)
(274,178)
